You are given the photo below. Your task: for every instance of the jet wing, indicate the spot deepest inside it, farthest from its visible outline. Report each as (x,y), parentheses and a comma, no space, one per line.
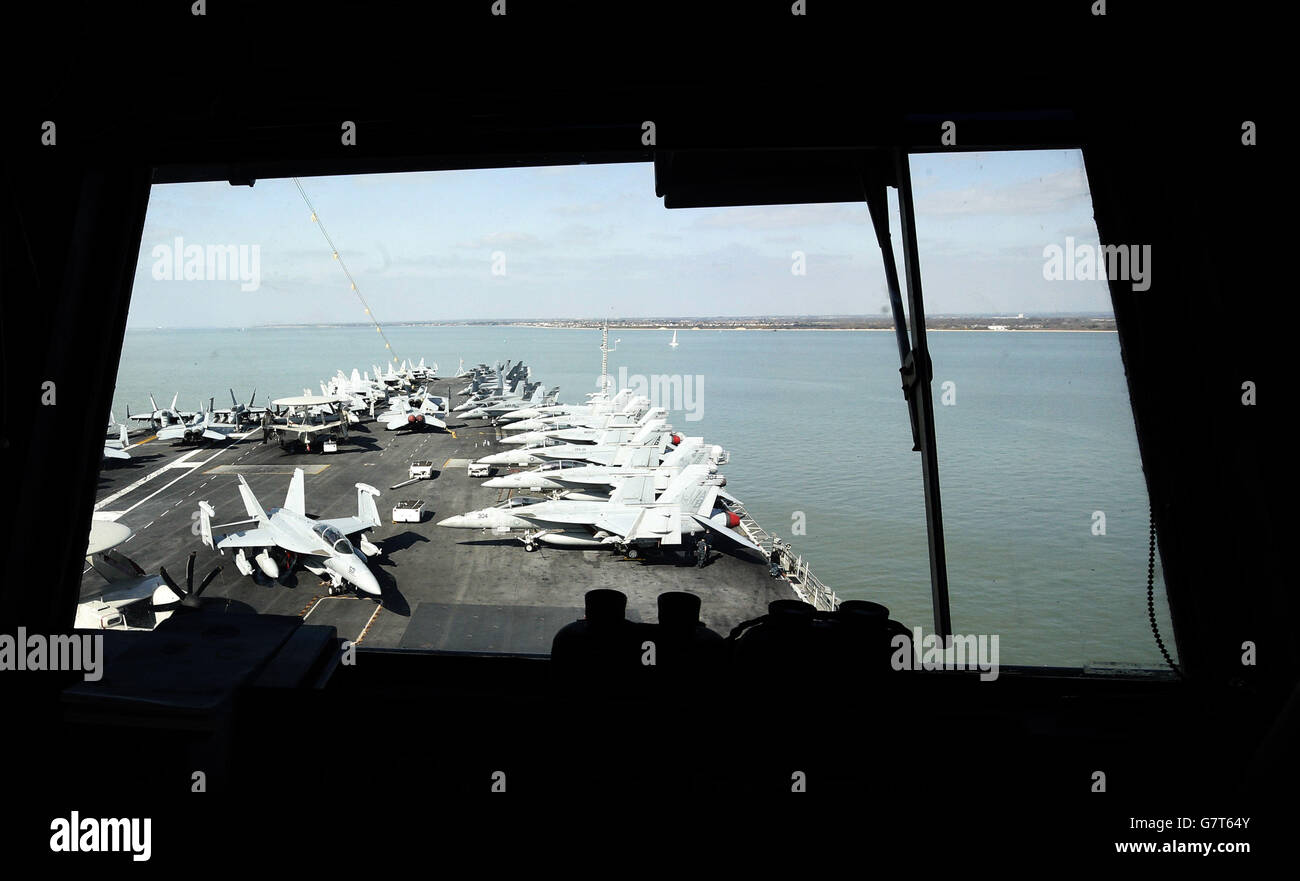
(257,537)
(622,523)
(608,478)
(347,525)
(661,524)
(113,453)
(732,534)
(583,517)
(639,489)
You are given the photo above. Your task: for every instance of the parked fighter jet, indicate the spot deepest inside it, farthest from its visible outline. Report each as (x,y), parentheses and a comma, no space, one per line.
(430,414)
(604,451)
(629,520)
(597,407)
(636,412)
(200,428)
(362,393)
(161,417)
(607,450)
(520,456)
(239,414)
(287,537)
(492,408)
(597,480)
(419,372)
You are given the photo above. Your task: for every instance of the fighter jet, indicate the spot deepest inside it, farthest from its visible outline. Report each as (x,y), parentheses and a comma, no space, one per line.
(492,409)
(584,430)
(419,372)
(631,519)
(161,417)
(239,414)
(607,451)
(287,537)
(362,394)
(521,456)
(596,481)
(594,414)
(430,414)
(200,428)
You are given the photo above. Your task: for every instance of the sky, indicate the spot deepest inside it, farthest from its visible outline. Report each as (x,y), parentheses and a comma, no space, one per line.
(594,241)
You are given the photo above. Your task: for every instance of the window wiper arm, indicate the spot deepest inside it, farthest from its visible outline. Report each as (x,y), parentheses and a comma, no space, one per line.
(914,354)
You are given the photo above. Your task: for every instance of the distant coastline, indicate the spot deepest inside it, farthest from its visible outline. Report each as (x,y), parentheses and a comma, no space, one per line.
(758,324)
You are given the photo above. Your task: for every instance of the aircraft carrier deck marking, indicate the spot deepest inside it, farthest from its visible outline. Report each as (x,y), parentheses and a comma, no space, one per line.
(366,629)
(182,461)
(265,469)
(155,492)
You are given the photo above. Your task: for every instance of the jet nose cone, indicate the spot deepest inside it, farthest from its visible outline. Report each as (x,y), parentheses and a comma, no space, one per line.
(498,483)
(365,581)
(456,522)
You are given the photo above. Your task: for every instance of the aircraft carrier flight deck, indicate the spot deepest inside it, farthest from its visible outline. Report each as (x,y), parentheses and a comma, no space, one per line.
(442,589)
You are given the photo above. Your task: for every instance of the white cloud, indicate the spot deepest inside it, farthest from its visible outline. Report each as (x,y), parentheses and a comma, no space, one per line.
(1046,194)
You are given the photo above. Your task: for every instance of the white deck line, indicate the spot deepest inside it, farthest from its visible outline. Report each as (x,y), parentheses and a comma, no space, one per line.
(191,467)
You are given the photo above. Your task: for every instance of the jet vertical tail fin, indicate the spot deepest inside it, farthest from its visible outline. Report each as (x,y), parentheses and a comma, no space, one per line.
(636,490)
(645,434)
(367,512)
(205,523)
(251,505)
(688,477)
(296,499)
(121,435)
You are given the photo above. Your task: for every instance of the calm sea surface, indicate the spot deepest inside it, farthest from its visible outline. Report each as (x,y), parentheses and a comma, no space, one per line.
(1039,437)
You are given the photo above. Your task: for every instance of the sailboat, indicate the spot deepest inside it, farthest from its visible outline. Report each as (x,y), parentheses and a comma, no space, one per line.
(674,342)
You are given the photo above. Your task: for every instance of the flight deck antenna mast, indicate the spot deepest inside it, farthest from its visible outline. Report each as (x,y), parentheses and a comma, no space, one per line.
(604,357)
